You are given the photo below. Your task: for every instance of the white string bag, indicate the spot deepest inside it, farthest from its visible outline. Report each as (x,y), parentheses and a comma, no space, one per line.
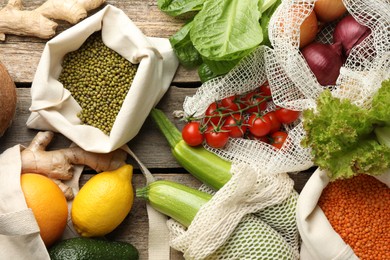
(259,183)
(368,64)
(226,228)
(294,86)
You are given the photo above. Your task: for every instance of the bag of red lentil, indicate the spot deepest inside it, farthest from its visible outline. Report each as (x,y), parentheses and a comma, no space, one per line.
(98,94)
(344,219)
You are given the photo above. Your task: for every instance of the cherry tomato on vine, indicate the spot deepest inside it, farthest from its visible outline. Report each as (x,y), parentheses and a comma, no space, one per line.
(216,138)
(192,133)
(255,102)
(278,138)
(232,103)
(275,124)
(259,125)
(236,126)
(286,116)
(264,139)
(266,90)
(213,114)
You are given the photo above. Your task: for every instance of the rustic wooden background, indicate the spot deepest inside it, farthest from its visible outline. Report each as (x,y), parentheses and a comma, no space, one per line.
(21,55)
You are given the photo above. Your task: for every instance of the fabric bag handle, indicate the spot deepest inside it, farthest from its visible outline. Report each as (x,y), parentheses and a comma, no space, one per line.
(158,244)
(18,223)
(19,231)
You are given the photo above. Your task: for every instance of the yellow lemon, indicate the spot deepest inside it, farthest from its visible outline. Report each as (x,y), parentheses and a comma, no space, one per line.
(103,202)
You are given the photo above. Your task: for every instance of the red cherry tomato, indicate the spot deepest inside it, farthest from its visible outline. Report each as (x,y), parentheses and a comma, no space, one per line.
(192,134)
(213,114)
(275,124)
(265,139)
(258,125)
(232,103)
(216,138)
(236,126)
(255,102)
(286,116)
(278,138)
(266,90)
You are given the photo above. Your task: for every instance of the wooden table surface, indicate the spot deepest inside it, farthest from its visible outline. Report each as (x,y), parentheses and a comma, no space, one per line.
(21,55)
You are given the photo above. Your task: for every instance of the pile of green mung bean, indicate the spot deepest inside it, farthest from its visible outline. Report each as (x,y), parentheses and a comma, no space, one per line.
(98,79)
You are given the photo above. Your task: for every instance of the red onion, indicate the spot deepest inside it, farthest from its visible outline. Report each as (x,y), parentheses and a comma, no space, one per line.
(325,61)
(350,33)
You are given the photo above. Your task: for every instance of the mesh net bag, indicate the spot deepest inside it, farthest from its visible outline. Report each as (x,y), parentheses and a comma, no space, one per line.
(260,192)
(365,68)
(251,217)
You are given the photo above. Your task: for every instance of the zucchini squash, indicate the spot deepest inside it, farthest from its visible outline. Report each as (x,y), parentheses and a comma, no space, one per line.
(204,165)
(251,239)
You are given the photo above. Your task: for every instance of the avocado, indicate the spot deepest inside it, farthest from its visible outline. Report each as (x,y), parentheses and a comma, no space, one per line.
(81,248)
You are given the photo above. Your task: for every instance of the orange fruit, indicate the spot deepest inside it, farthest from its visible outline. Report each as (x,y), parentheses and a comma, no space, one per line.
(48,204)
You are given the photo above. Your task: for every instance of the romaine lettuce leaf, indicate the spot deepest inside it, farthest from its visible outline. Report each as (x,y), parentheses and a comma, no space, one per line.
(205,73)
(182,45)
(221,67)
(227,29)
(178,7)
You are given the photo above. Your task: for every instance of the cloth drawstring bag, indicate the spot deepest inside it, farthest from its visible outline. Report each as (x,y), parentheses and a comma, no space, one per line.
(52,106)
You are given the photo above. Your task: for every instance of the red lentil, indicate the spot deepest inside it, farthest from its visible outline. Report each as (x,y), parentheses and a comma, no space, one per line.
(359,211)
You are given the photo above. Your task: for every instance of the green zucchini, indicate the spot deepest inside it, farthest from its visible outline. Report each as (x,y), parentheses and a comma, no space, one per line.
(251,239)
(214,171)
(174,200)
(204,165)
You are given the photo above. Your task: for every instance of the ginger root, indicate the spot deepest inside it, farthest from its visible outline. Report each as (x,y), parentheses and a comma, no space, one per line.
(37,23)
(68,192)
(58,164)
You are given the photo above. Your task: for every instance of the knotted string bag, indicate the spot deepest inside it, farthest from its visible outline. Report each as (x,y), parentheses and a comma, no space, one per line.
(260,183)
(366,67)
(253,215)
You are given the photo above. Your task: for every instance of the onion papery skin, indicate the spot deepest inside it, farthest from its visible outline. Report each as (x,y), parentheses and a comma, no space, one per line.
(308,30)
(329,10)
(324,60)
(349,33)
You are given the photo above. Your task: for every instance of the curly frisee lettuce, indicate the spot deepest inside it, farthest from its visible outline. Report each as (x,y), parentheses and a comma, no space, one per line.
(347,140)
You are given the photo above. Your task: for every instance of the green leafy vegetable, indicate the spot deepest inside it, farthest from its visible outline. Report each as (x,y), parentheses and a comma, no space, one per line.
(266,17)
(178,7)
(221,67)
(188,56)
(221,33)
(205,73)
(227,29)
(380,104)
(347,140)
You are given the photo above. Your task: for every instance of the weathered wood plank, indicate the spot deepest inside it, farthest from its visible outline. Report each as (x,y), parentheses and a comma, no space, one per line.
(21,55)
